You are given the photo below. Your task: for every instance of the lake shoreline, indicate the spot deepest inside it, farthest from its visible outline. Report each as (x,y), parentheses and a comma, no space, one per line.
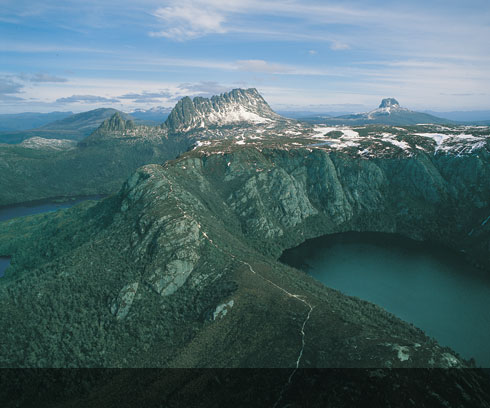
(55,200)
(429,285)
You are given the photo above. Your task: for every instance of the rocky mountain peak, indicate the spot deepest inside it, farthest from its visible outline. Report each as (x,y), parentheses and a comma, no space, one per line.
(236,106)
(389,103)
(116,122)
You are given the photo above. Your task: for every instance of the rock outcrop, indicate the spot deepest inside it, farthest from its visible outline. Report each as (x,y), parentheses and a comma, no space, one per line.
(234,107)
(179,269)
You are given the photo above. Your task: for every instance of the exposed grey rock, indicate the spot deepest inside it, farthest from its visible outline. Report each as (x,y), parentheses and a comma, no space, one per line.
(122,304)
(236,106)
(389,103)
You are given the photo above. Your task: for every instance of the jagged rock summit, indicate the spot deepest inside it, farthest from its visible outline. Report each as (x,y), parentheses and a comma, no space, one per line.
(388,106)
(389,103)
(236,106)
(116,122)
(117,128)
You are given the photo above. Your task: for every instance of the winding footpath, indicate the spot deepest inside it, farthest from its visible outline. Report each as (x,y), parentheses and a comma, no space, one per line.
(251,269)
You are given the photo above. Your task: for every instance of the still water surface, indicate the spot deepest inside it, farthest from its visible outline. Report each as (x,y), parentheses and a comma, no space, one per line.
(36,207)
(432,287)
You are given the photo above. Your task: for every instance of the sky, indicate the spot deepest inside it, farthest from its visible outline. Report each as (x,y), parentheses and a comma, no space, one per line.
(300,54)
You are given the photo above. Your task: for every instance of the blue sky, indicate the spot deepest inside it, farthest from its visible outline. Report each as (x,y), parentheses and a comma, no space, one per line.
(304,55)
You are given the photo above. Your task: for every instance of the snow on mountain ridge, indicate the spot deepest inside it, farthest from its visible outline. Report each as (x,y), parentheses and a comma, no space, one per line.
(236,106)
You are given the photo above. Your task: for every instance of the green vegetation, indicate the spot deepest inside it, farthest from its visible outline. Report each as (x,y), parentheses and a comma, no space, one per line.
(195,223)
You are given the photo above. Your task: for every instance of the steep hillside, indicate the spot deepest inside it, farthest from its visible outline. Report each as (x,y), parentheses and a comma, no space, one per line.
(179,268)
(208,227)
(41,168)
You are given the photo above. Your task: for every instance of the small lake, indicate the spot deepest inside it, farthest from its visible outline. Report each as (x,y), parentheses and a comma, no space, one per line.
(432,287)
(37,207)
(4,263)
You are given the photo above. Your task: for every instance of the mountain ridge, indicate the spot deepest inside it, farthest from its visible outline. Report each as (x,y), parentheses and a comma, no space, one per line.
(73,127)
(179,267)
(236,106)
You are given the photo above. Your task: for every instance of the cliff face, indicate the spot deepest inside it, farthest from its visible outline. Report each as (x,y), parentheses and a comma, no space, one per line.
(182,241)
(179,268)
(101,162)
(234,107)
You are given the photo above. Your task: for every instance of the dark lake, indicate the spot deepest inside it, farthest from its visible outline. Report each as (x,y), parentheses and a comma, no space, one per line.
(432,287)
(4,263)
(37,207)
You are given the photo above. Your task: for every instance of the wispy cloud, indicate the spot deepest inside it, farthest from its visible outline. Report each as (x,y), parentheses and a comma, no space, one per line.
(338,46)
(9,89)
(257,65)
(187,20)
(42,78)
(42,47)
(146,95)
(313,51)
(205,88)
(86,99)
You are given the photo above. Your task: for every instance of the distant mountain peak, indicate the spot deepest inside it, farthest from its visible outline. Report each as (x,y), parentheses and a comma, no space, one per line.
(236,106)
(389,103)
(388,106)
(389,112)
(116,122)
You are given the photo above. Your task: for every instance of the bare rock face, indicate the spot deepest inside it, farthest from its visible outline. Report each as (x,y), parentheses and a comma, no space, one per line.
(179,268)
(122,304)
(389,103)
(269,201)
(236,106)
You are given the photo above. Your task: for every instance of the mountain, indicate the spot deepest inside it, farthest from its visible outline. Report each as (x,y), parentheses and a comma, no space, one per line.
(85,122)
(240,106)
(73,127)
(29,120)
(39,169)
(153,116)
(389,112)
(117,129)
(180,269)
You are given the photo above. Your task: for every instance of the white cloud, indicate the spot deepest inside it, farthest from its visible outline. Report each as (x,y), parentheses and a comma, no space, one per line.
(203,88)
(187,20)
(257,65)
(338,46)
(86,99)
(42,77)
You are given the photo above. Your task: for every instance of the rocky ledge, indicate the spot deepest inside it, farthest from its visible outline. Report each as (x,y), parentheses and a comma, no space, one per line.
(179,269)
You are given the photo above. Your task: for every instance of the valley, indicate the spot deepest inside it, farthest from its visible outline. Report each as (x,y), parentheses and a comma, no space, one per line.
(179,266)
